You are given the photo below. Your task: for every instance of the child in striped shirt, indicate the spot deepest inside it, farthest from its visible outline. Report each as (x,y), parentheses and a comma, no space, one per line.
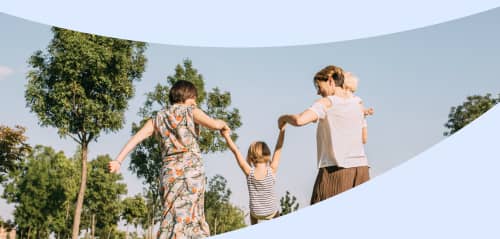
(260,172)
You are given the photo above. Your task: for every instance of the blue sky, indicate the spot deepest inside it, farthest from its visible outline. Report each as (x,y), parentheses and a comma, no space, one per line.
(410,78)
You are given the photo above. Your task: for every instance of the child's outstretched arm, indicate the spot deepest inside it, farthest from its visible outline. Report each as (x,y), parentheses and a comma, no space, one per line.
(366,112)
(245,167)
(364,134)
(277,151)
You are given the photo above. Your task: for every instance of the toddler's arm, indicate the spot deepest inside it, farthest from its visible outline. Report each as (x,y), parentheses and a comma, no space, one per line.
(366,112)
(364,134)
(245,167)
(277,151)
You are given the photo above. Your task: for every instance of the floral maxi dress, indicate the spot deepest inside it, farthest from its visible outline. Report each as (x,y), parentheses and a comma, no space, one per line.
(182,175)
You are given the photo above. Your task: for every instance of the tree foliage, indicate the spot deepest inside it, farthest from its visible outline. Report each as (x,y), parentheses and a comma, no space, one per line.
(473,107)
(13,150)
(146,158)
(134,211)
(81,86)
(44,193)
(102,207)
(288,204)
(220,214)
(7,225)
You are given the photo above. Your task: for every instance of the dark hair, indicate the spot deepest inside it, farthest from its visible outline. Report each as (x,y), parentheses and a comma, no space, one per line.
(181,91)
(335,72)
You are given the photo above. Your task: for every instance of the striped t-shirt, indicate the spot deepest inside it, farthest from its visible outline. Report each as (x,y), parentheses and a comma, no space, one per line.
(261,193)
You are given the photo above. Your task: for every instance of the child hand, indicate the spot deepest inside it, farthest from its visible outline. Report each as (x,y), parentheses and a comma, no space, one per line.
(114,166)
(281,122)
(282,129)
(226,131)
(368,111)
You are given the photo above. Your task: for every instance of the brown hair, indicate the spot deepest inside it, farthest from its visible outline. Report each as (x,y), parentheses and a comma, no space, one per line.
(258,152)
(181,91)
(335,72)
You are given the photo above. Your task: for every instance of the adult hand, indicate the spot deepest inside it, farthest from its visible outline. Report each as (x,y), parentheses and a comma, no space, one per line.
(114,166)
(225,127)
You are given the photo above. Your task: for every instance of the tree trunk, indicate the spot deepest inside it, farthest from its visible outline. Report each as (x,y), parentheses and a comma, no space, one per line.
(93,226)
(215,226)
(29,232)
(81,193)
(152,220)
(126,234)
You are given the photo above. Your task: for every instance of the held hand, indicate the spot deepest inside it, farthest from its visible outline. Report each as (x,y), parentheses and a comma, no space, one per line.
(282,122)
(222,125)
(368,111)
(114,166)
(282,129)
(225,132)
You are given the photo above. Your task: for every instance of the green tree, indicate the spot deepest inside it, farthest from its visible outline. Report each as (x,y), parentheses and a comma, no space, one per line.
(81,86)
(152,213)
(102,207)
(13,150)
(146,158)
(43,192)
(134,210)
(473,107)
(220,214)
(288,204)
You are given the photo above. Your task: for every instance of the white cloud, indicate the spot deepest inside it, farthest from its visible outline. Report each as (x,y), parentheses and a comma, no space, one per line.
(5,72)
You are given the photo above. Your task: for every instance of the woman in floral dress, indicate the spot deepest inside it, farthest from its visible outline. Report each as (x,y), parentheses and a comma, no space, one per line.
(182,173)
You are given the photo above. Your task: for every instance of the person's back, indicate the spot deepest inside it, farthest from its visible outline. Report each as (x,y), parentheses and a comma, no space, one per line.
(345,123)
(261,194)
(177,130)
(182,176)
(260,171)
(339,135)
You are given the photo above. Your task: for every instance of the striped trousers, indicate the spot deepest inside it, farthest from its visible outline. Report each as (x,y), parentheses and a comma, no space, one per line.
(334,180)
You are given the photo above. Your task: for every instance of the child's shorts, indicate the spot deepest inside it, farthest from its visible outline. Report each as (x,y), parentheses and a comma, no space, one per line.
(268,217)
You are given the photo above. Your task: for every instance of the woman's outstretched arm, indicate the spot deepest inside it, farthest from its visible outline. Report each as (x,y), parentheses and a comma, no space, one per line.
(146,131)
(310,115)
(301,119)
(203,119)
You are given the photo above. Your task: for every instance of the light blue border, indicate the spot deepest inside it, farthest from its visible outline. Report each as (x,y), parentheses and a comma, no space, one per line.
(448,191)
(257,23)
